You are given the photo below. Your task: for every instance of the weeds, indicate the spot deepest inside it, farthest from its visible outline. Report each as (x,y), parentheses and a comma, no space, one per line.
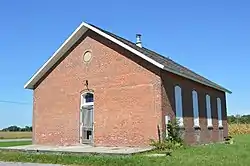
(172,142)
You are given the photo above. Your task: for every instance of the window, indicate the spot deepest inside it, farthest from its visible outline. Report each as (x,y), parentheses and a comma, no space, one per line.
(208,107)
(87,56)
(195,108)
(219,112)
(86,117)
(87,99)
(178,105)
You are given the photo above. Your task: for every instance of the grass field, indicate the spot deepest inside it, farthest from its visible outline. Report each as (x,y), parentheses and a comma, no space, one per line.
(15,135)
(15,143)
(209,155)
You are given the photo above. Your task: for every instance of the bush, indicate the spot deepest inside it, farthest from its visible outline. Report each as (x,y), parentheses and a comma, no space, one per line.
(160,145)
(172,142)
(174,133)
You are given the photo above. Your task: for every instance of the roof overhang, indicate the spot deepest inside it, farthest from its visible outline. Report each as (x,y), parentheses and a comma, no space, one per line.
(75,36)
(196,80)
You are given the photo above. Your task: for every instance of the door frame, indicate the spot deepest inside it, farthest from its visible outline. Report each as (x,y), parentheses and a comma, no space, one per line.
(82,105)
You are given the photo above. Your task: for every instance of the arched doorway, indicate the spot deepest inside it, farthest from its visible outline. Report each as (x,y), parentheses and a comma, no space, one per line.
(86,118)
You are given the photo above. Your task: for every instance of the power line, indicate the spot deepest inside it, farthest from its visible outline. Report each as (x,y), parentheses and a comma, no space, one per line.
(14,102)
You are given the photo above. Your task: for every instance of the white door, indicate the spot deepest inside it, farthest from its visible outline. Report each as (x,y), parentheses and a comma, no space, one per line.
(86,119)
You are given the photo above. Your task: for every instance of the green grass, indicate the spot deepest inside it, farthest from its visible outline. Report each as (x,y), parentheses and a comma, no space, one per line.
(209,155)
(15,143)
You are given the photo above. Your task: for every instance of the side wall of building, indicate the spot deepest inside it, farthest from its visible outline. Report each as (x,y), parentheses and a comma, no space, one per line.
(127,96)
(192,135)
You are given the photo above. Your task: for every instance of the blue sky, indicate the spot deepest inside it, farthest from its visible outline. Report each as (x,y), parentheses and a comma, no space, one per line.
(209,37)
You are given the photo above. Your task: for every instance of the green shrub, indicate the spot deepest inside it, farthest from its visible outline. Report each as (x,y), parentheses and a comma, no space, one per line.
(159,145)
(173,140)
(174,133)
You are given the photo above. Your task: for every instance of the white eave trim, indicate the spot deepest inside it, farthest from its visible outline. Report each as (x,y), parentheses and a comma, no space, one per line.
(69,42)
(56,56)
(124,45)
(75,36)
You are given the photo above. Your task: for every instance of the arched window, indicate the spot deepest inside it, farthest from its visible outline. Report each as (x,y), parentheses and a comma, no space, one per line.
(87,99)
(195,108)
(178,105)
(219,112)
(209,114)
(86,117)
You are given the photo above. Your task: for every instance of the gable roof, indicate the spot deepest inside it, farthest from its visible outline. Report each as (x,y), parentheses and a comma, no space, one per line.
(148,55)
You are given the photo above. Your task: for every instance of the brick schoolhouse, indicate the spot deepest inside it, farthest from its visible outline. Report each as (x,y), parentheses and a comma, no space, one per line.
(104,90)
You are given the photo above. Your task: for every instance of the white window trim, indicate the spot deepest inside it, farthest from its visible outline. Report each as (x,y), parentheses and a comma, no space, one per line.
(219,112)
(83,100)
(84,103)
(87,104)
(209,111)
(178,105)
(195,108)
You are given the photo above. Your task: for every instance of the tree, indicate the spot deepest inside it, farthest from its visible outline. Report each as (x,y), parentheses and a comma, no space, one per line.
(238,119)
(16,128)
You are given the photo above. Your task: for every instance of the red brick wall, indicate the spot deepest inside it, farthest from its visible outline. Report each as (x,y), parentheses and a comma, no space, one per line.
(127,96)
(131,98)
(169,81)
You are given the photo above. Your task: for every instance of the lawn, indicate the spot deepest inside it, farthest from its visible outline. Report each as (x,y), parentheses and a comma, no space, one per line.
(209,155)
(15,143)
(15,135)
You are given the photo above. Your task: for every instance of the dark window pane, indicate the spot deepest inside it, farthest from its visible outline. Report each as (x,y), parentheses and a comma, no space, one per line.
(89,97)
